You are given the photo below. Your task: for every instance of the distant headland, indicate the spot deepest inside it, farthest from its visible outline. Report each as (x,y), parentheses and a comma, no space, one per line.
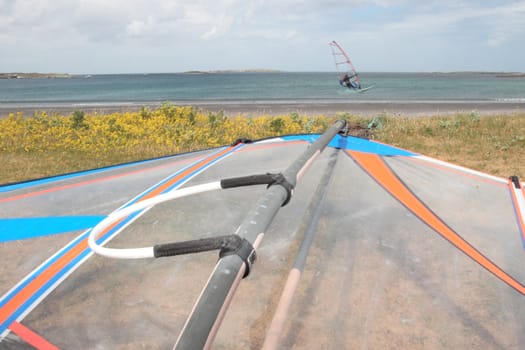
(228,71)
(34,75)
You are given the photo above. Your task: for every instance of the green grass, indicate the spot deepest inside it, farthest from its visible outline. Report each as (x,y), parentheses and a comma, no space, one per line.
(43,145)
(492,144)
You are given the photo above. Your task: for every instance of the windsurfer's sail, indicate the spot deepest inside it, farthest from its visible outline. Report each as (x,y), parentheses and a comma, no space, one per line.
(347,74)
(376,248)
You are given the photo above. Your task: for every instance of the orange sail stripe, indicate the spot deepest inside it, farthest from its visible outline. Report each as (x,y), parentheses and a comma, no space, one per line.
(83,183)
(188,171)
(19,299)
(44,277)
(256,147)
(376,168)
(523,214)
(31,337)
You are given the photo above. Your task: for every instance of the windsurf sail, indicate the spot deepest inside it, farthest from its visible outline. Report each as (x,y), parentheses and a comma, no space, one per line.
(347,74)
(377,246)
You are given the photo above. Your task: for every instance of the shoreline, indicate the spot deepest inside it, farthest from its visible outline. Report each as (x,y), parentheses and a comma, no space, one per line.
(255,108)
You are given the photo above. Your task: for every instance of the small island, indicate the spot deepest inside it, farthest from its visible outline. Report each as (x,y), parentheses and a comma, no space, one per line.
(511,75)
(230,71)
(34,75)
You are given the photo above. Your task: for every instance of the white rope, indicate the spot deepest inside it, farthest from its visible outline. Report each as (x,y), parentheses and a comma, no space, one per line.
(146,252)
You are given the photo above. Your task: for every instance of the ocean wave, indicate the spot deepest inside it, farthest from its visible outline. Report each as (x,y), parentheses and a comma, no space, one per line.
(511,99)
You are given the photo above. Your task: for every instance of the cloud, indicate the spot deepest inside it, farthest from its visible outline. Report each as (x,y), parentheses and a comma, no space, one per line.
(222,24)
(210,33)
(279,30)
(506,23)
(497,22)
(140,27)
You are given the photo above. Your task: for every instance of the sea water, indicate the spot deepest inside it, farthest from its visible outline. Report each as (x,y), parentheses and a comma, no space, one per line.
(245,87)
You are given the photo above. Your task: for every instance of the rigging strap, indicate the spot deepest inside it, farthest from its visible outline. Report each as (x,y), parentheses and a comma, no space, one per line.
(262,179)
(516,181)
(228,245)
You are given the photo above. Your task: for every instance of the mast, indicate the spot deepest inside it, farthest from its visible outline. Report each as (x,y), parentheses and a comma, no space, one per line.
(204,321)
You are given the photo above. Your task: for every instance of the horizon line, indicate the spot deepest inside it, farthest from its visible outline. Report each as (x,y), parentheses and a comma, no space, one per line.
(255,70)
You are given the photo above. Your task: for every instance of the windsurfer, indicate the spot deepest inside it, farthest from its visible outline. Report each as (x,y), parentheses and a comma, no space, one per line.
(348,76)
(347,81)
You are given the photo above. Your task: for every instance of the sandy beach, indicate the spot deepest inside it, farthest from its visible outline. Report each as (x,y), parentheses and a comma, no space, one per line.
(256,108)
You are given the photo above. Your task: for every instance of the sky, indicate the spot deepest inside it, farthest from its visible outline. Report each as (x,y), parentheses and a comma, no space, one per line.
(167,36)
